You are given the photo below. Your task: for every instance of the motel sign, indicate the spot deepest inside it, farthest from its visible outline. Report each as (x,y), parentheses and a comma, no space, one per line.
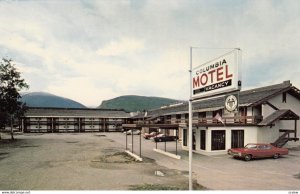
(217,76)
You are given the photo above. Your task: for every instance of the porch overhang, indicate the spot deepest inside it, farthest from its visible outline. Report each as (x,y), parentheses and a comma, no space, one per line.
(161,126)
(284,114)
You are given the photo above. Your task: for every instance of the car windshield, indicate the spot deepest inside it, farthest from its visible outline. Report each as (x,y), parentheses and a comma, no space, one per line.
(251,146)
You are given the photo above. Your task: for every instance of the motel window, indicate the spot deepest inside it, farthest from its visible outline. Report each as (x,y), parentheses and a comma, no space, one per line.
(284,97)
(216,112)
(202,114)
(243,114)
(201,117)
(178,116)
(186,116)
(195,115)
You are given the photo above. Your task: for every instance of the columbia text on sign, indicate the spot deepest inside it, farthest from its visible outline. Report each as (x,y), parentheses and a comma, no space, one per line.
(217,76)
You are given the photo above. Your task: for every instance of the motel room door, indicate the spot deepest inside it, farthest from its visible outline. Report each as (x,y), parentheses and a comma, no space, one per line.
(202,139)
(218,140)
(237,138)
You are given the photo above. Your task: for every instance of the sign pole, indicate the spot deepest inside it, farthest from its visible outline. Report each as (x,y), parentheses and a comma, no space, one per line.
(215,77)
(190,125)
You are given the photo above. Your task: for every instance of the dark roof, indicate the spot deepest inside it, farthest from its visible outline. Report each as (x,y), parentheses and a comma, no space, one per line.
(279,115)
(76,112)
(251,97)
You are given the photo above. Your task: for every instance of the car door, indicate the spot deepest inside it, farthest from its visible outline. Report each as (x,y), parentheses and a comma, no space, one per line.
(262,151)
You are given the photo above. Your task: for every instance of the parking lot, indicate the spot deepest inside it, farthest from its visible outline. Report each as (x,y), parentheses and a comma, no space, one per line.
(225,173)
(73,161)
(94,161)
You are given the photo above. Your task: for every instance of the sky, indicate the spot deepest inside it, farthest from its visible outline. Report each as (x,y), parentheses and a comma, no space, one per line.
(91,51)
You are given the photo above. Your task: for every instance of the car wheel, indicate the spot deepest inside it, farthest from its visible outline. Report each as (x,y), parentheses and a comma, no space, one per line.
(276,156)
(247,157)
(159,140)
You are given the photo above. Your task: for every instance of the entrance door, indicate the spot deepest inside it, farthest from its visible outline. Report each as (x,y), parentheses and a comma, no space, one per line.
(218,140)
(237,138)
(184,137)
(202,139)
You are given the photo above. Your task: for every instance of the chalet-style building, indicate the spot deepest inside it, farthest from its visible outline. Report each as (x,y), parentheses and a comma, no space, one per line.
(73,120)
(266,115)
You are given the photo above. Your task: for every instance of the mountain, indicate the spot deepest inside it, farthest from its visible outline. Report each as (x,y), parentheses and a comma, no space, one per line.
(42,99)
(132,103)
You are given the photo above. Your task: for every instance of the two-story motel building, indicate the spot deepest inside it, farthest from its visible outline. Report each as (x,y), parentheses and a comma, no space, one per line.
(265,115)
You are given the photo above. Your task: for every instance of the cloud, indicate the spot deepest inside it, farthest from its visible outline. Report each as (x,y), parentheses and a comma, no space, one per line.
(99,50)
(81,89)
(124,46)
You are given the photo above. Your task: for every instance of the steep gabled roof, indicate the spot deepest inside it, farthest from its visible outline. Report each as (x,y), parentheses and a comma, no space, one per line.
(279,115)
(259,95)
(251,97)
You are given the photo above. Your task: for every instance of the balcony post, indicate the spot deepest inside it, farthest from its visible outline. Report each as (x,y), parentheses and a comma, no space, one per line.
(295,133)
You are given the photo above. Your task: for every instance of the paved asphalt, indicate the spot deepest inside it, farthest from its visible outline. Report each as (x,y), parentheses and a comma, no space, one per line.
(223,172)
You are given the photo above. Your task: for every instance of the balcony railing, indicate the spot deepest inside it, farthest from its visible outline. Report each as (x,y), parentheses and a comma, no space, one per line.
(242,120)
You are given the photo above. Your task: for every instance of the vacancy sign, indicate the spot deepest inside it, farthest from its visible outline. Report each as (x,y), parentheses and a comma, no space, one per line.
(216,76)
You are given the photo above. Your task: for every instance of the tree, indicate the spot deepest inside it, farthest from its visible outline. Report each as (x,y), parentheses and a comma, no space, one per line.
(11,84)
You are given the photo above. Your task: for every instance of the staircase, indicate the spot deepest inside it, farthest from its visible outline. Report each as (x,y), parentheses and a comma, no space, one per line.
(283,139)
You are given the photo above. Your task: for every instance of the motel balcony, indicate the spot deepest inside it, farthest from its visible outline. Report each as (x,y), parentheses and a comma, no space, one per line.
(235,120)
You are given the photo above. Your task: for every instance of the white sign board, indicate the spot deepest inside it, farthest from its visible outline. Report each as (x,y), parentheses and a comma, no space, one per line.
(216,76)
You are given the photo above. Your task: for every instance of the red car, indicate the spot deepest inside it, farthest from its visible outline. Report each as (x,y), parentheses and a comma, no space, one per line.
(257,150)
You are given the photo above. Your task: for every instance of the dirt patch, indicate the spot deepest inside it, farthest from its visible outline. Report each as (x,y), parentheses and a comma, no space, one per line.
(159,187)
(114,161)
(119,157)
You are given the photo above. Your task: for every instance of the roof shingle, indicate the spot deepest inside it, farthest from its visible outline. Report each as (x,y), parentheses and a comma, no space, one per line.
(67,112)
(246,98)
